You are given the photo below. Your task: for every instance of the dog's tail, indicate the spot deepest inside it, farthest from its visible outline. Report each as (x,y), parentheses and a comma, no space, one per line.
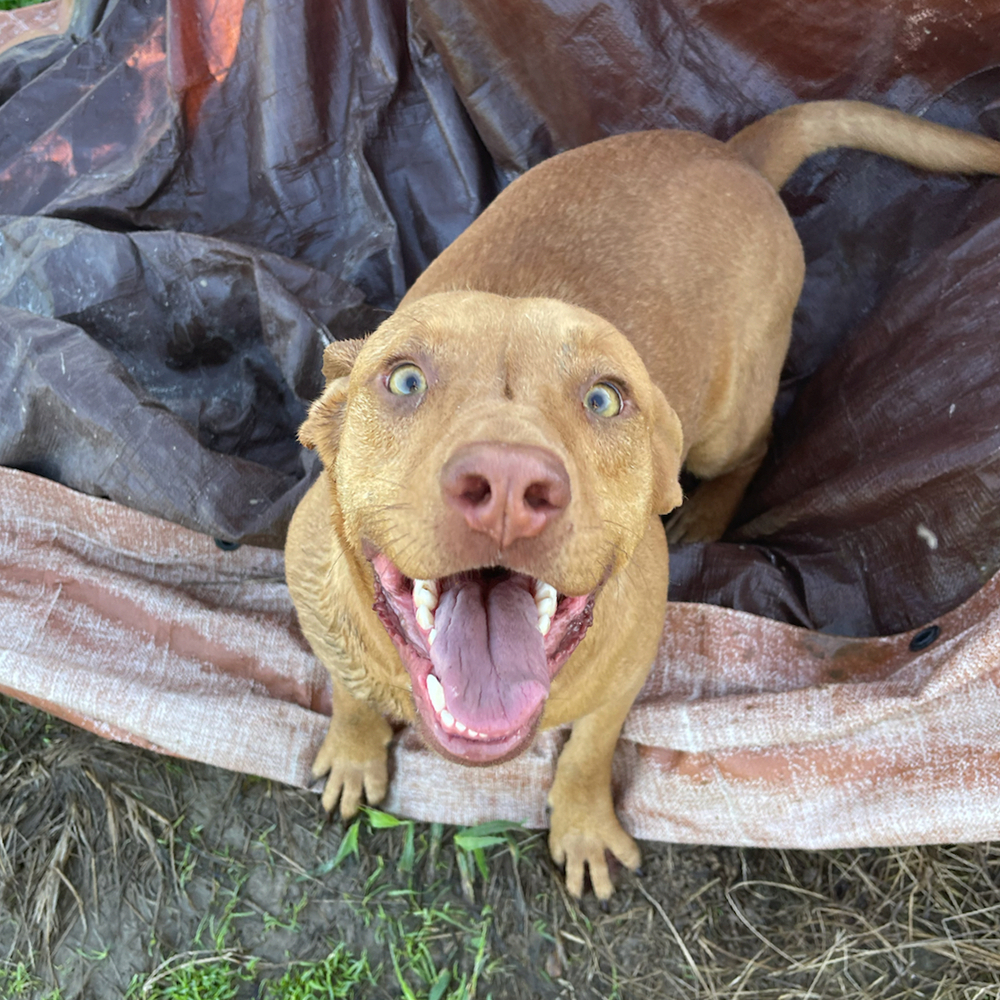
(777,144)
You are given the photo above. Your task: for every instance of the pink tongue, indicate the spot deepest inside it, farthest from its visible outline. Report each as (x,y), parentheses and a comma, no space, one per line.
(490,656)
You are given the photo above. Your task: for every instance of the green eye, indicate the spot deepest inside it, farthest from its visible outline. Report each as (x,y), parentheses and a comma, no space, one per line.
(603,399)
(406,380)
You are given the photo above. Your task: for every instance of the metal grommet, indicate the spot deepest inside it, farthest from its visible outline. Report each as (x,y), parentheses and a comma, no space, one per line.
(924,638)
(227,546)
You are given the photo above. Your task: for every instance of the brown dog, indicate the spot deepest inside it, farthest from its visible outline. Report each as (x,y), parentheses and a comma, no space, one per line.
(484,555)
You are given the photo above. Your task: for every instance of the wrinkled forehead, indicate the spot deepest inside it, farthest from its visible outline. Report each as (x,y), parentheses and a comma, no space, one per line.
(487,330)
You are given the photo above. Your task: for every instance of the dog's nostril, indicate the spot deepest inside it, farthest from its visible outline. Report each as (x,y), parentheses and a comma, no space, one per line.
(538,497)
(475,490)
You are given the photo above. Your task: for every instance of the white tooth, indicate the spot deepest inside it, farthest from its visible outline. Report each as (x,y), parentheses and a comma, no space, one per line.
(435,692)
(544,590)
(546,606)
(447,719)
(544,623)
(431,636)
(425,618)
(472,732)
(459,726)
(425,594)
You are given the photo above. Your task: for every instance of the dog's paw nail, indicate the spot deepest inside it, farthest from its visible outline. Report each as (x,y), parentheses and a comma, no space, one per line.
(605,906)
(638,872)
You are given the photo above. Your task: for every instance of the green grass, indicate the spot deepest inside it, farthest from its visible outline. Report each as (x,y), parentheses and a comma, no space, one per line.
(194,977)
(336,976)
(437,950)
(17,982)
(411,930)
(14,4)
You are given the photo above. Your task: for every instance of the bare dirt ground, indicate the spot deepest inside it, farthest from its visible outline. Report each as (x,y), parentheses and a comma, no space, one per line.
(128,874)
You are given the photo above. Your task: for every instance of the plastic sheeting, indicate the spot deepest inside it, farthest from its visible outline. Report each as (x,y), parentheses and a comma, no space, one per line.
(195,198)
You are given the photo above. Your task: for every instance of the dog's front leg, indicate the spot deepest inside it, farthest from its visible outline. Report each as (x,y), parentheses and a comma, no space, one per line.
(705,515)
(583,821)
(354,753)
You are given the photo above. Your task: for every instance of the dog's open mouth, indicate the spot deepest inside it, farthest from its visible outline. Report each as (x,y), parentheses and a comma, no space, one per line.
(481,648)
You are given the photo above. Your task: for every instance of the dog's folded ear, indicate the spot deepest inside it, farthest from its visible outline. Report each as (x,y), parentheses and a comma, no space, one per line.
(668,450)
(321,430)
(339,358)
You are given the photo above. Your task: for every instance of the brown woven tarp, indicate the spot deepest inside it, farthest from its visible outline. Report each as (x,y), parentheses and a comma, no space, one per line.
(197,197)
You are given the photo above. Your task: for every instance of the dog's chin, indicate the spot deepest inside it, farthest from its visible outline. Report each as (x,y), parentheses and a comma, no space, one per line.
(481,648)
(474,753)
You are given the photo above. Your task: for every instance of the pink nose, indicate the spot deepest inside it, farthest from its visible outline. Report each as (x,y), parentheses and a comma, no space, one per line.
(506,491)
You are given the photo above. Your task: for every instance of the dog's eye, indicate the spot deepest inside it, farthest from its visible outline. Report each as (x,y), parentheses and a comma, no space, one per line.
(603,399)
(406,380)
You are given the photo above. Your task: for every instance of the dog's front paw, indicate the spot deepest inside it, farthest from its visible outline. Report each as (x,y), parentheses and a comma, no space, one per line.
(694,522)
(707,513)
(580,840)
(354,763)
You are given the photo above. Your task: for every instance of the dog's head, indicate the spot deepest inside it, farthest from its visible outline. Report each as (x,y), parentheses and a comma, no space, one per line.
(496,461)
